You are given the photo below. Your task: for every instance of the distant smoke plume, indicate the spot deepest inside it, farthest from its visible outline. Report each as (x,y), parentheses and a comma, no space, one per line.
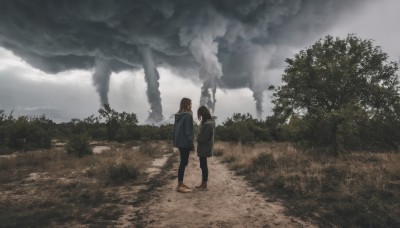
(101,79)
(207,97)
(230,43)
(201,39)
(153,93)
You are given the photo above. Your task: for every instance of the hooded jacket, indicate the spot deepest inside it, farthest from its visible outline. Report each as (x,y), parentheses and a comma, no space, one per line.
(183,130)
(205,138)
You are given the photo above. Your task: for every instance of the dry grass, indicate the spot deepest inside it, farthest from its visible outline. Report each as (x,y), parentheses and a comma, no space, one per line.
(358,189)
(49,188)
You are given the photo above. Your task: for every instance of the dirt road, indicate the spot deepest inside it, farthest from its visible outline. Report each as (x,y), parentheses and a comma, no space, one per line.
(230,202)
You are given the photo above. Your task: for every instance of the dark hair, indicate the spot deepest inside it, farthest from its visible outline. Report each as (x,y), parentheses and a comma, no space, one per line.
(203,114)
(184,105)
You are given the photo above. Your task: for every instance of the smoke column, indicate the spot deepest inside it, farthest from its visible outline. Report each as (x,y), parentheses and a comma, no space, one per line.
(214,90)
(207,97)
(261,60)
(101,79)
(201,40)
(153,93)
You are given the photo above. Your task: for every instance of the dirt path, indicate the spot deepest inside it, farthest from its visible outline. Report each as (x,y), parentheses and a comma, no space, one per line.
(230,202)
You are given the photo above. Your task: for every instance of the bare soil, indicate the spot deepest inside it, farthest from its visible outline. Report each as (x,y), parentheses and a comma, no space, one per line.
(229,202)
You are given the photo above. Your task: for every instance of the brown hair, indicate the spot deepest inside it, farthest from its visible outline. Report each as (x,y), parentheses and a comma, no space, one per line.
(203,114)
(185,105)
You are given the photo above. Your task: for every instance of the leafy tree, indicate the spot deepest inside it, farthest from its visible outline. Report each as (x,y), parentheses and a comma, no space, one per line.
(28,133)
(243,128)
(335,89)
(4,118)
(119,125)
(111,118)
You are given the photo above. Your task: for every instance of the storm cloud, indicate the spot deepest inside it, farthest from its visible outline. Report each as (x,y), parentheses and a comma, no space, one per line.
(228,43)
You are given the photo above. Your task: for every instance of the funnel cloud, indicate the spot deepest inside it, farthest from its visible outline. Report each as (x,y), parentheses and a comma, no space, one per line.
(153,93)
(101,79)
(229,43)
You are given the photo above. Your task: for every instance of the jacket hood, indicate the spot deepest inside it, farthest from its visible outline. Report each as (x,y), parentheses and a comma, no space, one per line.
(211,121)
(179,116)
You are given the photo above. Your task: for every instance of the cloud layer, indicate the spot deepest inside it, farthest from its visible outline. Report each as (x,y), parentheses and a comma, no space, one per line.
(226,43)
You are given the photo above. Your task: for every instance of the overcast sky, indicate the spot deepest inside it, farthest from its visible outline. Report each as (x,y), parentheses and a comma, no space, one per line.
(31,83)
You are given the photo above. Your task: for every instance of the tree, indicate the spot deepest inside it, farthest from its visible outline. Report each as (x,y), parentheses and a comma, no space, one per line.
(117,122)
(337,85)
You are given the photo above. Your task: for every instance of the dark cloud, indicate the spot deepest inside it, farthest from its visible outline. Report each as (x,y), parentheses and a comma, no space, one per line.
(229,43)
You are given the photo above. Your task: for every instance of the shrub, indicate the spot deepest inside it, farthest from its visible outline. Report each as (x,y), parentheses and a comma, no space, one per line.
(149,149)
(78,145)
(120,172)
(218,152)
(264,161)
(25,135)
(229,158)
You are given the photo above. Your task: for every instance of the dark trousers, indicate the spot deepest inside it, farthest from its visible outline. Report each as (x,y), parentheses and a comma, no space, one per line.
(204,168)
(184,152)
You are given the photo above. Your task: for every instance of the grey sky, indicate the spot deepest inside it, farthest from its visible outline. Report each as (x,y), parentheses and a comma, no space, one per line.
(62,92)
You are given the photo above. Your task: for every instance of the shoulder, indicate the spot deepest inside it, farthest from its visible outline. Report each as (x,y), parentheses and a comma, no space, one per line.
(210,123)
(183,115)
(186,113)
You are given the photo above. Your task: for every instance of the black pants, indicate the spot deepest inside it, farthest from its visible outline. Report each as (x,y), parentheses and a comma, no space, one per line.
(184,152)
(204,168)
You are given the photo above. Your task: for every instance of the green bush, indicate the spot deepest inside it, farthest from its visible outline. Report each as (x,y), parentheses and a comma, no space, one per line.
(78,145)
(25,134)
(243,128)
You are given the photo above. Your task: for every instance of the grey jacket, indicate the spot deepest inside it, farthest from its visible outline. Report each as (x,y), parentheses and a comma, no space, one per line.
(205,138)
(183,130)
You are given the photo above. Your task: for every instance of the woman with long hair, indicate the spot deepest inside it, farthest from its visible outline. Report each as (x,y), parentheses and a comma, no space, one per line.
(183,139)
(205,141)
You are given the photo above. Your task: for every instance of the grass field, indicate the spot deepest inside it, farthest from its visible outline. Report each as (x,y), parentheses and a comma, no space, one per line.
(51,187)
(357,189)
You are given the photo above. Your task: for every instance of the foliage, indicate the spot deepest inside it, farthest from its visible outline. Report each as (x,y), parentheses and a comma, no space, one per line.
(78,145)
(24,133)
(163,132)
(118,124)
(340,94)
(243,128)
